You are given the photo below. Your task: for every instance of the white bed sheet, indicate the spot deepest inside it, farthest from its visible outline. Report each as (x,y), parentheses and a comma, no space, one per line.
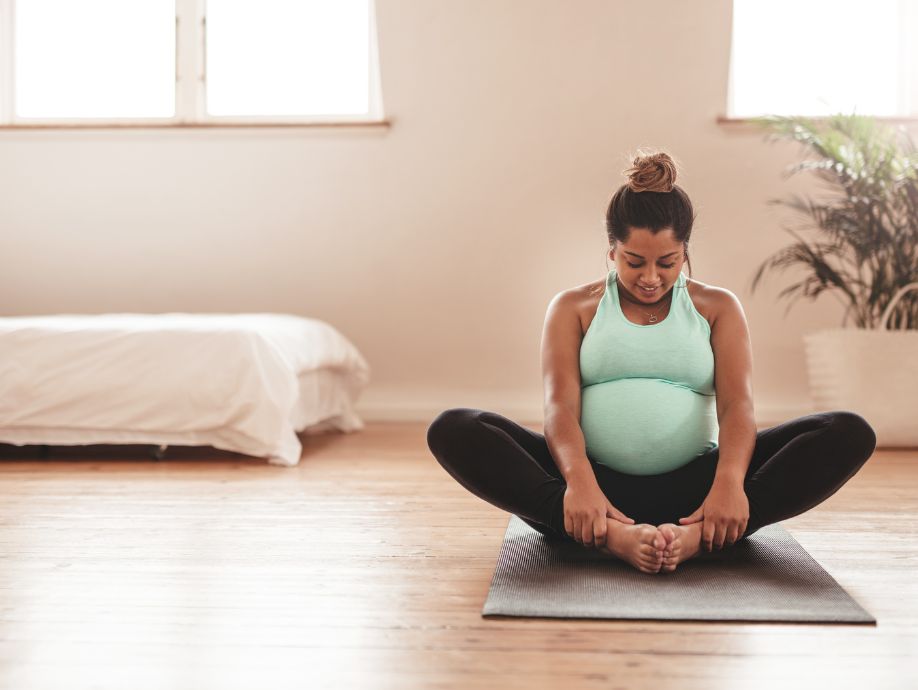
(240,382)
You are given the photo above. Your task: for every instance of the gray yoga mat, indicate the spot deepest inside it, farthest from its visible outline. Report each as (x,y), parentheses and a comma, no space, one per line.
(767,577)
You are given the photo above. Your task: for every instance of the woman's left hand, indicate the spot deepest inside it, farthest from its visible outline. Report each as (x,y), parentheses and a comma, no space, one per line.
(725,513)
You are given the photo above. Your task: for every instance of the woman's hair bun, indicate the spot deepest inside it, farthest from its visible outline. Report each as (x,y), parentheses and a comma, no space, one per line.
(653,172)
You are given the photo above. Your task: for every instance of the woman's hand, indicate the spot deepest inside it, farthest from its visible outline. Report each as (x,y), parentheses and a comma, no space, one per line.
(585,511)
(725,512)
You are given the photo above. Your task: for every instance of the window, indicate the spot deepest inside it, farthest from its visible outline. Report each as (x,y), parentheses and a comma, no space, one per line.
(188,62)
(818,57)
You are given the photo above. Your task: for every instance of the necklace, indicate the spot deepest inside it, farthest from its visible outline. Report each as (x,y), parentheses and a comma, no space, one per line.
(653,314)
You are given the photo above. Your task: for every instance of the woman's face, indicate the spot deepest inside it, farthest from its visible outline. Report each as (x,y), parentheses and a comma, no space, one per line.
(648,260)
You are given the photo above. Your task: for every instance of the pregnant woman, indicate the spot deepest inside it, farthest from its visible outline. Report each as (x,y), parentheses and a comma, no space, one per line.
(650,452)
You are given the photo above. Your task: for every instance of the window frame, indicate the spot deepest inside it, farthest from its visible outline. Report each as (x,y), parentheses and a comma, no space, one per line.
(190,84)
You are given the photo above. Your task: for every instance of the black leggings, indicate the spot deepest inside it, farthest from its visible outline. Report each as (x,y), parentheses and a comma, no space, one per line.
(795,466)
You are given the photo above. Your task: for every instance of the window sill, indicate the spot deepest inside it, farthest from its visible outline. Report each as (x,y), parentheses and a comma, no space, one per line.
(749,123)
(222,124)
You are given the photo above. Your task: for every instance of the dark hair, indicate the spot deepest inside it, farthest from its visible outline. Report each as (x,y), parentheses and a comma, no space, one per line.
(651,199)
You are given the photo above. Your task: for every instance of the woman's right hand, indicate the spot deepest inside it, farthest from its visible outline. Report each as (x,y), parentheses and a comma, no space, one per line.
(585,511)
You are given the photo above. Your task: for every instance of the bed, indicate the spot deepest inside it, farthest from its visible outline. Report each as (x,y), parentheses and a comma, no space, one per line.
(238,382)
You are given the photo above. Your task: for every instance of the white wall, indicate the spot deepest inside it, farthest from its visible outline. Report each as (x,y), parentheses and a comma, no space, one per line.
(435,245)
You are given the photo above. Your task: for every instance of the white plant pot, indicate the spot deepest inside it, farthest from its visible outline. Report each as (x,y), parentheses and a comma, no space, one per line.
(873,372)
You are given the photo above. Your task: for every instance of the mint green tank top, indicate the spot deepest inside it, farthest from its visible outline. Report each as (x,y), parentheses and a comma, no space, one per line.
(647,392)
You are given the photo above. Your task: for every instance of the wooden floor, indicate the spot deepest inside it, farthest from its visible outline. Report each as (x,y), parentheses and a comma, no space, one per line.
(367,566)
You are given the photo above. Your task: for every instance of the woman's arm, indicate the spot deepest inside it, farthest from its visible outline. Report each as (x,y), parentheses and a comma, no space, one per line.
(725,510)
(586,507)
(733,385)
(561,338)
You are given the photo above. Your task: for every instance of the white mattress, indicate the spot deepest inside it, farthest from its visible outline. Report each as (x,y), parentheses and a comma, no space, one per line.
(240,382)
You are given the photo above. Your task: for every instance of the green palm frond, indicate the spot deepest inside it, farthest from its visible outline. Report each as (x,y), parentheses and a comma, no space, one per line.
(865,246)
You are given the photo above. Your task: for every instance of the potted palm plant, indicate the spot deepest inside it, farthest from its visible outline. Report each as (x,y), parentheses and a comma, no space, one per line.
(862,247)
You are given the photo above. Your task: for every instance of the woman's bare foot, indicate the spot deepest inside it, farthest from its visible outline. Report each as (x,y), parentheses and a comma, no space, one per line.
(640,545)
(670,551)
(682,543)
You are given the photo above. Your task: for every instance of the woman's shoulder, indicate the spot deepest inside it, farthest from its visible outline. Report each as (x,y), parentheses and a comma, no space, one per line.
(708,299)
(582,300)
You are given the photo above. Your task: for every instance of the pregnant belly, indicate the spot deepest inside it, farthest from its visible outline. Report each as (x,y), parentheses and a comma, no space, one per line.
(646,426)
